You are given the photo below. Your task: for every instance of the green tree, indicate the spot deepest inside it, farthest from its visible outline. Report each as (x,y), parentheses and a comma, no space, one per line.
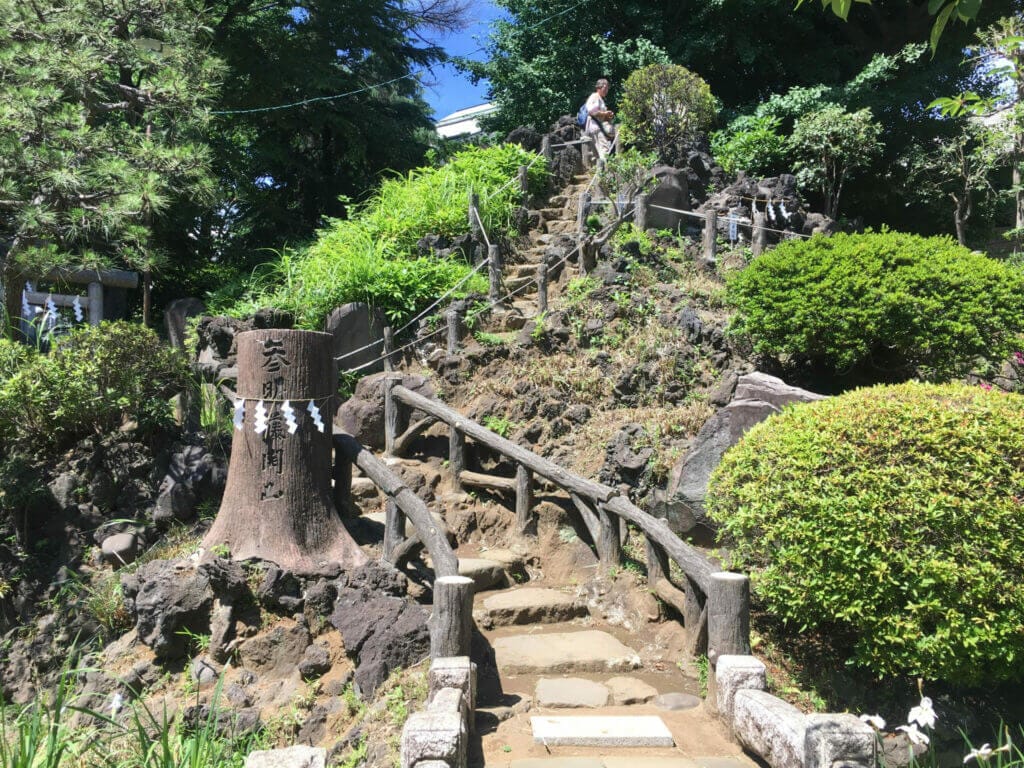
(318,101)
(958,168)
(102,114)
(830,145)
(664,107)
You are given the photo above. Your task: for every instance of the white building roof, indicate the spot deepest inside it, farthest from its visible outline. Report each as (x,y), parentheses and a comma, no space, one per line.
(463,122)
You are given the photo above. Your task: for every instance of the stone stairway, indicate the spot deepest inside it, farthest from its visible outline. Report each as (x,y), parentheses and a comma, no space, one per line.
(546,242)
(561,687)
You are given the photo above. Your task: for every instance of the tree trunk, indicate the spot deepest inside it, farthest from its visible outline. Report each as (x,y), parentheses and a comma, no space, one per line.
(278,501)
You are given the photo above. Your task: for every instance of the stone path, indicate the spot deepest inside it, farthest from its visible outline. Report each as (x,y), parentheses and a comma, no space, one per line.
(564,691)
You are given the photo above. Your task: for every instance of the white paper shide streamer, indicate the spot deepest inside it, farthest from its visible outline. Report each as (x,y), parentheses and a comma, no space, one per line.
(239,414)
(51,308)
(314,413)
(77,306)
(289,417)
(26,310)
(260,418)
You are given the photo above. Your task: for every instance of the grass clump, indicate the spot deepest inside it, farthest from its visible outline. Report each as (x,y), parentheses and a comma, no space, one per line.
(889,520)
(885,306)
(372,256)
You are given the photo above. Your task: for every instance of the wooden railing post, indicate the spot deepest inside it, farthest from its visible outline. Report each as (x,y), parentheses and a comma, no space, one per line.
(389,348)
(728,609)
(451,623)
(657,561)
(456,456)
(95,294)
(494,273)
(394,528)
(695,619)
(453,331)
(728,615)
(710,236)
(542,288)
(391,412)
(524,497)
(524,179)
(342,482)
(609,548)
(640,212)
(545,149)
(760,235)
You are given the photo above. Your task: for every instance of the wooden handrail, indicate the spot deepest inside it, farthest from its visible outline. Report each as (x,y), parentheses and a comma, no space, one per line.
(696,566)
(445,561)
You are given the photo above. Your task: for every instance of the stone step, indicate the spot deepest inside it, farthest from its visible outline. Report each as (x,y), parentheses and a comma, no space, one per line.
(577,692)
(520,286)
(629,762)
(527,269)
(561,227)
(554,653)
(558,201)
(548,214)
(530,605)
(602,731)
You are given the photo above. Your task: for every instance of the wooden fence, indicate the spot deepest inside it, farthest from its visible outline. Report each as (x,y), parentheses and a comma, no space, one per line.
(715,604)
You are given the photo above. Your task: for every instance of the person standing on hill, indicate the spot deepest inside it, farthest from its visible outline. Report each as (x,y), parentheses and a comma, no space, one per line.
(599,126)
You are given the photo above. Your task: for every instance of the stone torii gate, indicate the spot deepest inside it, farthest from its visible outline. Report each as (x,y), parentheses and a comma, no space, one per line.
(278,503)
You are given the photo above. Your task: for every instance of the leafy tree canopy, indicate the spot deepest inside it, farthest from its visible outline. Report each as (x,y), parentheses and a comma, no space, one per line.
(103,108)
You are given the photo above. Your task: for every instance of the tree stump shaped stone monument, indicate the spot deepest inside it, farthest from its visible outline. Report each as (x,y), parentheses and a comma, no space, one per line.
(278,503)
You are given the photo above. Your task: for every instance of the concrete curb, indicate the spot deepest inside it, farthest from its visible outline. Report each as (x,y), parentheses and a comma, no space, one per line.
(439,736)
(778,732)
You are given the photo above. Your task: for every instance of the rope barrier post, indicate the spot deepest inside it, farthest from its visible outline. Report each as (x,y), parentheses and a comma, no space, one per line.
(760,235)
(640,212)
(545,149)
(524,498)
(524,179)
(542,288)
(453,331)
(710,237)
(389,348)
(581,213)
(391,411)
(494,273)
(451,623)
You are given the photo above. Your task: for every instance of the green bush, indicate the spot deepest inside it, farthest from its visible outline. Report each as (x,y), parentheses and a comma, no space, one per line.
(891,305)
(751,144)
(89,383)
(663,107)
(372,257)
(13,355)
(890,516)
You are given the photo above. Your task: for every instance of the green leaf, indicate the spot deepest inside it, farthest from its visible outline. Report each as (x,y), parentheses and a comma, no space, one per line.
(939,26)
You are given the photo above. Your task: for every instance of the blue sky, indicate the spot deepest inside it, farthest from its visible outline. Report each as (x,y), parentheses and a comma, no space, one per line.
(452,90)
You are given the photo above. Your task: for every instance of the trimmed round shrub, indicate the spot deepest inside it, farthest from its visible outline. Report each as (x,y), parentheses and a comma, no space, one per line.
(886,305)
(889,518)
(92,380)
(663,107)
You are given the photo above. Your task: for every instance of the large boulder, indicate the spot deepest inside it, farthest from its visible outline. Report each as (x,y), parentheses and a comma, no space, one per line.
(193,474)
(673,191)
(382,632)
(757,397)
(358,333)
(362,415)
(170,599)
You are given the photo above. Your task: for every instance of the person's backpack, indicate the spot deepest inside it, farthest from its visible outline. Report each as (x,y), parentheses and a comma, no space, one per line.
(582,115)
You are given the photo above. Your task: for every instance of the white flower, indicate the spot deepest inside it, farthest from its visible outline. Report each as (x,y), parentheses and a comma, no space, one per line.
(917,738)
(985,751)
(923,714)
(875,721)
